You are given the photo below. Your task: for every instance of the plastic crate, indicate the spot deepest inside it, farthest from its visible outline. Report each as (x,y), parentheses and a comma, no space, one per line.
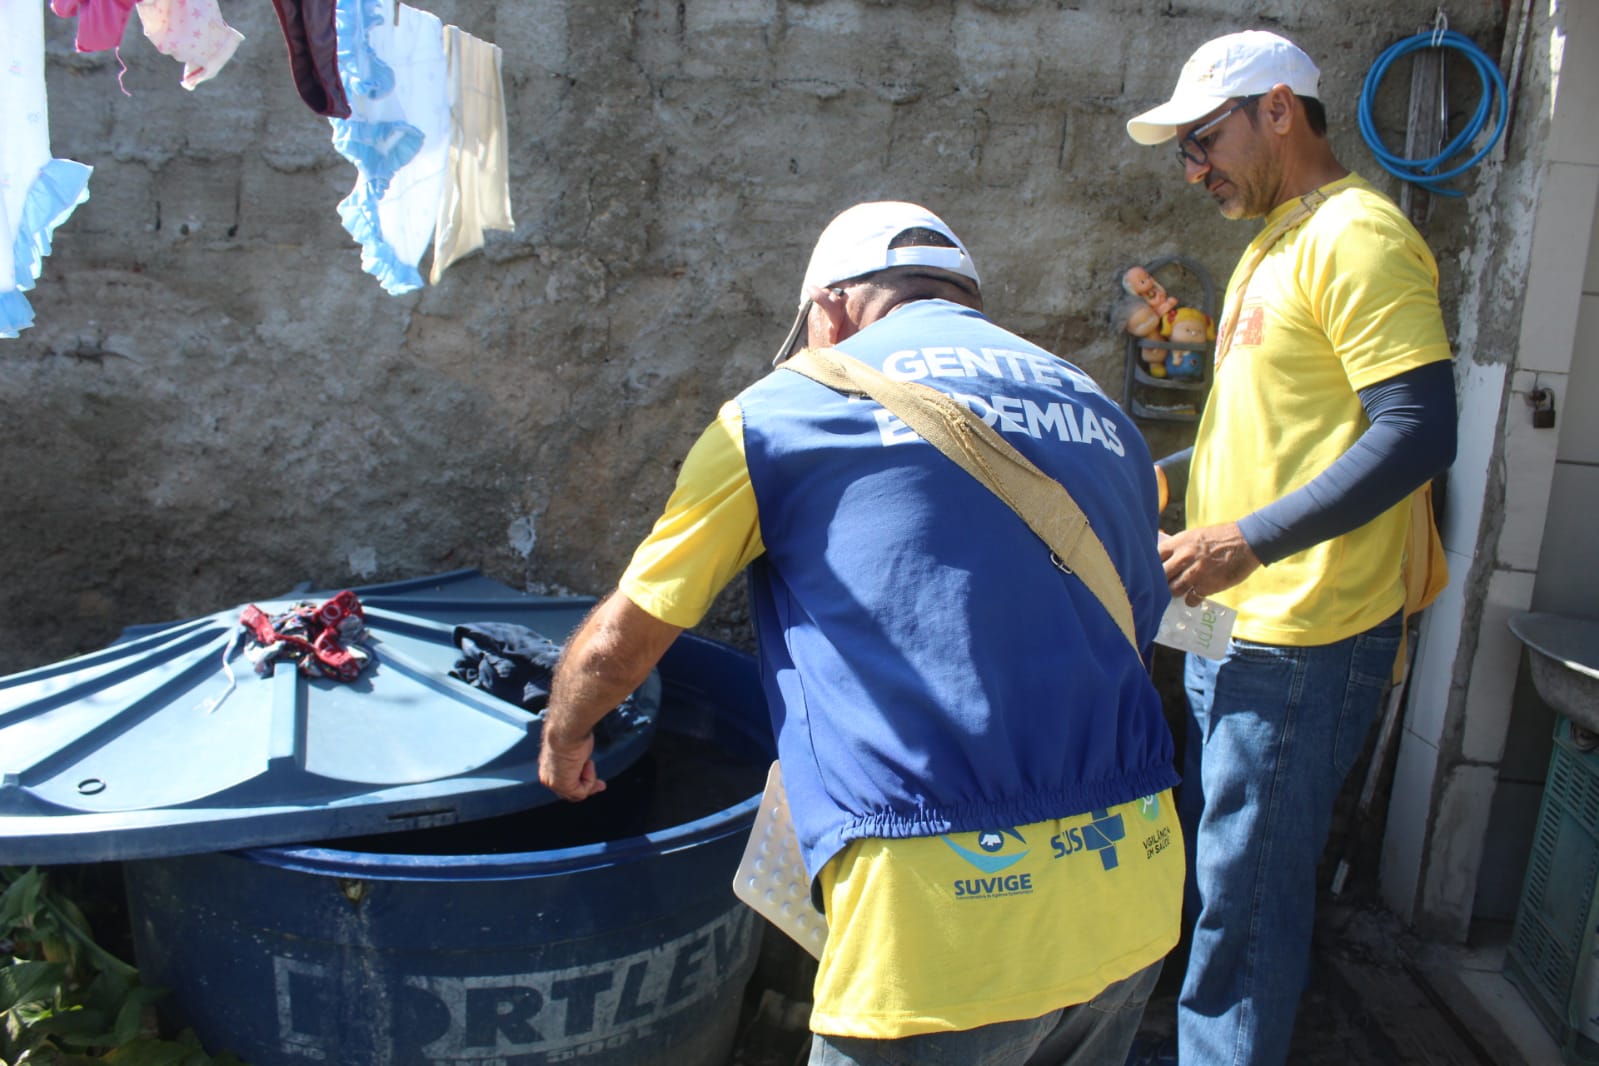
(1580,1048)
(1557,895)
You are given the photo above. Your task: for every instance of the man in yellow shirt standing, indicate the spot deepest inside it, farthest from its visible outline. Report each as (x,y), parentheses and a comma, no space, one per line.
(1332,403)
(974,757)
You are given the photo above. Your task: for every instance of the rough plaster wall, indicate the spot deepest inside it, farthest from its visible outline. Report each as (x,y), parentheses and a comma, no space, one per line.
(216,404)
(1493,299)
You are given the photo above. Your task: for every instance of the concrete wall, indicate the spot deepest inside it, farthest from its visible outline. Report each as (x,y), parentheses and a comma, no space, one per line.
(217,404)
(1563,465)
(1470,768)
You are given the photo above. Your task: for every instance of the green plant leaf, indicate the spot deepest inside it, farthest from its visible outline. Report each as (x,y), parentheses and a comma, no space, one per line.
(82,1005)
(108,991)
(130,1019)
(25,982)
(78,931)
(49,1055)
(19,903)
(145,1052)
(184,1051)
(77,1027)
(18,1040)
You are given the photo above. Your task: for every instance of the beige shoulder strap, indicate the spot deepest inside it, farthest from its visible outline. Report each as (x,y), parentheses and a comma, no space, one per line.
(954,429)
(1229,320)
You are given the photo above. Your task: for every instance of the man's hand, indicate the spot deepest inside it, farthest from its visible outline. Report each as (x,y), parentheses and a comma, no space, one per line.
(609,656)
(1201,561)
(566,767)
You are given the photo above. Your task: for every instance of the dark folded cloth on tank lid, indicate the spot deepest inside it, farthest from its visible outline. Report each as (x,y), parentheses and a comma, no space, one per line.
(516,664)
(511,661)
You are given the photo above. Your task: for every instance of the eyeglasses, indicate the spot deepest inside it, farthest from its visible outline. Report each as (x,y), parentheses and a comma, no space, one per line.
(1199,155)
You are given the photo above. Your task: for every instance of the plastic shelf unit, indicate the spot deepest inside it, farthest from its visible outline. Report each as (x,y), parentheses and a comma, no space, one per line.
(1158,399)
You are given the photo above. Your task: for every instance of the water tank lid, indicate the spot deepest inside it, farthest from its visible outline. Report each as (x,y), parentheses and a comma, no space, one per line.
(159,745)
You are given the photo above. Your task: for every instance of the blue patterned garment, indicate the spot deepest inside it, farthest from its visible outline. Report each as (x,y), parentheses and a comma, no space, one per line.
(376,137)
(37,192)
(397,135)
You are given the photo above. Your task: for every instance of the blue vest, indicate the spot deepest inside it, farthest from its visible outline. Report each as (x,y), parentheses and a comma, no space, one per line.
(928,668)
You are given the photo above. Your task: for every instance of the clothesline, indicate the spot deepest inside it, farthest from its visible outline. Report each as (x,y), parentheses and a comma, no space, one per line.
(417,106)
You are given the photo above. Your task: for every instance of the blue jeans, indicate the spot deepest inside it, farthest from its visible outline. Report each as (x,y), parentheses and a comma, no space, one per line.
(1096,1033)
(1272,733)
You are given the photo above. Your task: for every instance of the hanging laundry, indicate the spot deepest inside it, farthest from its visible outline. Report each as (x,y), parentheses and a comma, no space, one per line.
(477,191)
(409,206)
(365,29)
(100,22)
(308,28)
(376,137)
(427,135)
(37,192)
(397,135)
(192,32)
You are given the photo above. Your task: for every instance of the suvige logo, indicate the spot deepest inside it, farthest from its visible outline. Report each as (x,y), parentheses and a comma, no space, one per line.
(1098,835)
(997,851)
(992,842)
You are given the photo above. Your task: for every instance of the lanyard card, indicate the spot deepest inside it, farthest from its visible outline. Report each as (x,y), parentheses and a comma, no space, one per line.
(1204,630)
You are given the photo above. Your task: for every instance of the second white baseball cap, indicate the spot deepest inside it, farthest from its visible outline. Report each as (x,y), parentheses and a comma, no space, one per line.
(1239,64)
(858,242)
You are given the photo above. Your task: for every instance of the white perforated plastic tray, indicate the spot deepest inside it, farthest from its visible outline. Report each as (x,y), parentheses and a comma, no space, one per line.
(771,878)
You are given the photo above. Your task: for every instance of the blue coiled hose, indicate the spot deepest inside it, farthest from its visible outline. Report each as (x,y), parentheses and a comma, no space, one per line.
(1426,172)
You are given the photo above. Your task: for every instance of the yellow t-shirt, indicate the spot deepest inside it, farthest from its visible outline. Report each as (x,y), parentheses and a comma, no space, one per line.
(957,931)
(709,531)
(1347,299)
(934,933)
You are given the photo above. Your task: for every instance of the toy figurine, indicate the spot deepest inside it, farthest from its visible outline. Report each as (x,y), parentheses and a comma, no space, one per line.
(1186,325)
(1145,314)
(1137,318)
(1140,282)
(1141,320)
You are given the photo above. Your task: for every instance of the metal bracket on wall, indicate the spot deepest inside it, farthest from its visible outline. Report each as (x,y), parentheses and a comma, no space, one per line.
(1542,402)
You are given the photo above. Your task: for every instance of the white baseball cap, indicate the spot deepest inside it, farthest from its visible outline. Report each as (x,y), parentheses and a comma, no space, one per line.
(857,242)
(1239,64)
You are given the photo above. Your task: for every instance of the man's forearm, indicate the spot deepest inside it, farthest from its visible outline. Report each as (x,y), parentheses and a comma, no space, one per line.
(609,656)
(1411,439)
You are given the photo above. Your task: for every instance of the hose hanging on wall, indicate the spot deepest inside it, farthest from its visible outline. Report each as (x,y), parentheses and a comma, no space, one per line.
(1425,172)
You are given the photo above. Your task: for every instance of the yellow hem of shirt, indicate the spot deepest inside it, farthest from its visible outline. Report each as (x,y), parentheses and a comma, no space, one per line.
(908,953)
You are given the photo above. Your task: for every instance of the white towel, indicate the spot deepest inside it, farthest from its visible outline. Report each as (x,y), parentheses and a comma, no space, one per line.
(477,190)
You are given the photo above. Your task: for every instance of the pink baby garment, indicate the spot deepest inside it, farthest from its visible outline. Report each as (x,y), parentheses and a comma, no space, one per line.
(192,32)
(100,22)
